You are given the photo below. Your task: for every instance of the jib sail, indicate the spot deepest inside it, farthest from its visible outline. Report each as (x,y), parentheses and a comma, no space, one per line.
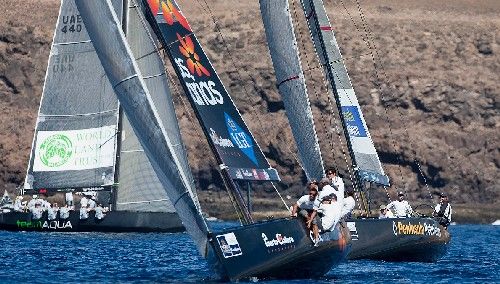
(363,153)
(227,133)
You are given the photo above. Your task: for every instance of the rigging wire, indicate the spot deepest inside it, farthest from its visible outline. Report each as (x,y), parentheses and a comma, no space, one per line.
(330,104)
(372,47)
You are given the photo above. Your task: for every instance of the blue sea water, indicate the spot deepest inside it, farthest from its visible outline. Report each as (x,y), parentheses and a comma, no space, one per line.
(473,257)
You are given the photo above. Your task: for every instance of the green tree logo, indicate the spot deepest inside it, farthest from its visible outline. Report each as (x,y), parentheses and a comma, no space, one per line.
(56,150)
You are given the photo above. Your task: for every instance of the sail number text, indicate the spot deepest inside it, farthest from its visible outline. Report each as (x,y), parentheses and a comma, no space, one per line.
(72,24)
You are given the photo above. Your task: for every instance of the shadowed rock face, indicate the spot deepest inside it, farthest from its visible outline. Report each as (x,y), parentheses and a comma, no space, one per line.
(426,75)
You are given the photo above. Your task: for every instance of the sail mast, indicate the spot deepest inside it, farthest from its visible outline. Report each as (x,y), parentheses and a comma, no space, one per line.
(130,88)
(361,149)
(291,84)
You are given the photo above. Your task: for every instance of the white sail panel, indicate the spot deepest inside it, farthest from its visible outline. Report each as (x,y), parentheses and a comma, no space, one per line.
(363,152)
(124,74)
(74,150)
(139,187)
(291,84)
(76,98)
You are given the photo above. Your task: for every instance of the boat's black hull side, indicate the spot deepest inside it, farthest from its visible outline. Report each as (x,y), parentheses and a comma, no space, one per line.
(278,249)
(410,239)
(115,221)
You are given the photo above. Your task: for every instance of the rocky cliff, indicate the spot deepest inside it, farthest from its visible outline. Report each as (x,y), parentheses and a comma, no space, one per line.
(426,75)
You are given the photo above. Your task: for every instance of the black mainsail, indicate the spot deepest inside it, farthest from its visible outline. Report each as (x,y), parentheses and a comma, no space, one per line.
(362,151)
(291,84)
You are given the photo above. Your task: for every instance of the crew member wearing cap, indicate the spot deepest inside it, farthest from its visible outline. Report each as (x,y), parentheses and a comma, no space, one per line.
(442,211)
(385,213)
(401,207)
(306,204)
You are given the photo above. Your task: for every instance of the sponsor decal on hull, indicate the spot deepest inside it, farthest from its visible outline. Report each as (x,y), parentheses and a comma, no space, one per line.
(229,245)
(279,243)
(408,228)
(48,225)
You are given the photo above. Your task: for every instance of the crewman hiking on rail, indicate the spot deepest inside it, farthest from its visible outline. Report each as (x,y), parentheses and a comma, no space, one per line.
(402,208)
(306,204)
(325,189)
(385,213)
(442,211)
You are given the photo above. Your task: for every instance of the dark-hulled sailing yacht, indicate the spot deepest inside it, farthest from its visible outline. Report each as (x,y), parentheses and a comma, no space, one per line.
(280,248)
(401,239)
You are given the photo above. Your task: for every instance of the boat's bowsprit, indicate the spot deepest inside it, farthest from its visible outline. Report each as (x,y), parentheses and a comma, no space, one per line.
(279,249)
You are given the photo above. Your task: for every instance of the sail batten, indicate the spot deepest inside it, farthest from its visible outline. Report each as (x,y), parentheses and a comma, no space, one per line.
(291,84)
(361,147)
(119,63)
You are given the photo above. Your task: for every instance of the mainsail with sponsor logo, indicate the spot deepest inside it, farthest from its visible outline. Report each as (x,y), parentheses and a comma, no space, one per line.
(363,153)
(278,248)
(84,142)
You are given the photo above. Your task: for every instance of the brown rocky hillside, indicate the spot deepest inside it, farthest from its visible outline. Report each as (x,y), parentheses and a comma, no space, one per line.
(426,73)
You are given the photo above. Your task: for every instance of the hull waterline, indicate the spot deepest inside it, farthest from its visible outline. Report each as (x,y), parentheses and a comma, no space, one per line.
(410,239)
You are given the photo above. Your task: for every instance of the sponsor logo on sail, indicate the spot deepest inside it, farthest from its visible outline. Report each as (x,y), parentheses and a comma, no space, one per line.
(219,141)
(277,241)
(353,121)
(229,245)
(56,150)
(239,137)
(194,65)
(169,11)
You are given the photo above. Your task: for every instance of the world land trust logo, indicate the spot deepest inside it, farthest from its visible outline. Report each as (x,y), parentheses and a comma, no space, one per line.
(56,150)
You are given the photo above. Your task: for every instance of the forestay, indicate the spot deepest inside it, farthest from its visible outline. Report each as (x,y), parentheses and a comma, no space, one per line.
(136,101)
(139,188)
(74,146)
(363,153)
(228,135)
(291,84)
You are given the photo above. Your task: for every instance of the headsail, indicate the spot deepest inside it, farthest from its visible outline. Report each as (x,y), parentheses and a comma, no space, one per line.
(361,146)
(139,188)
(128,83)
(291,84)
(74,146)
(230,139)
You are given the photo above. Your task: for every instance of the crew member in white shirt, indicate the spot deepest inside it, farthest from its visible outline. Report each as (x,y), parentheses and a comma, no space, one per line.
(325,189)
(52,212)
(349,204)
(306,204)
(329,213)
(84,202)
(385,213)
(336,181)
(401,207)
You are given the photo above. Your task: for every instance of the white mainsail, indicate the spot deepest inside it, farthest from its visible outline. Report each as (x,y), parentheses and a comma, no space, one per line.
(363,151)
(125,77)
(74,145)
(291,84)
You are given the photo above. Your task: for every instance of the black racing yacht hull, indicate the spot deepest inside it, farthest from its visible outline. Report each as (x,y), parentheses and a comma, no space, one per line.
(115,221)
(277,249)
(401,239)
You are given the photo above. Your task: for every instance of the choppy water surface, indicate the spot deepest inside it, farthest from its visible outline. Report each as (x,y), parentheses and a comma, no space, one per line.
(473,256)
